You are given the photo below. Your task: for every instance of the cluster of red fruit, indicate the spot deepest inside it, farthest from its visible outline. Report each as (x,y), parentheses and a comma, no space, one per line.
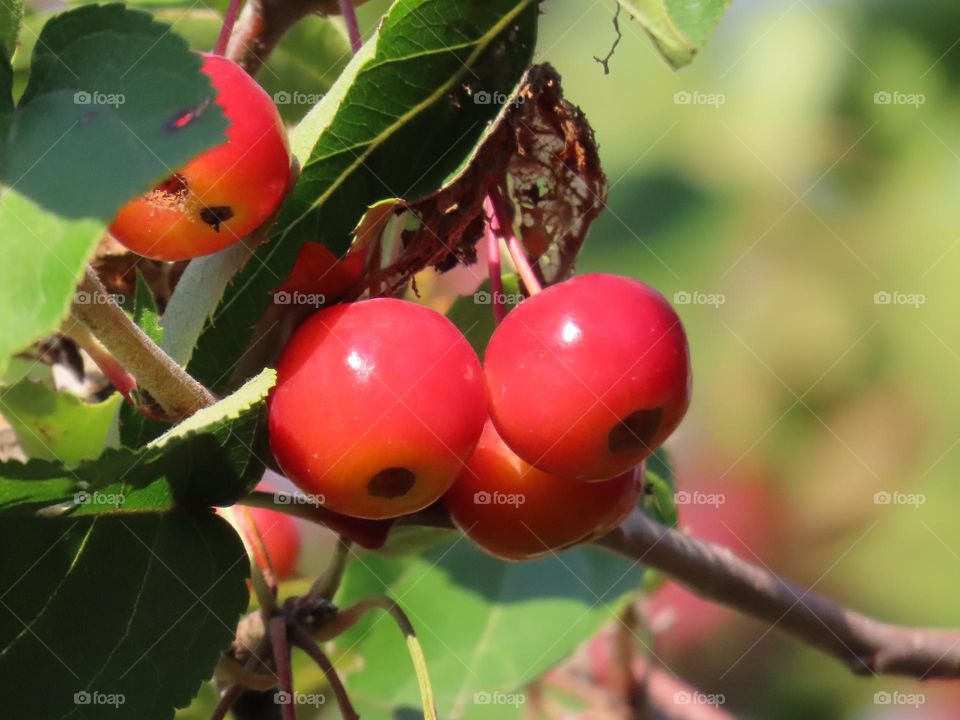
(381,408)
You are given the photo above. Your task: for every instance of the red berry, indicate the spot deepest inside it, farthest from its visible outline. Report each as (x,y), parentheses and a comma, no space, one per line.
(224,194)
(317,271)
(516,512)
(377,406)
(589,377)
(267,531)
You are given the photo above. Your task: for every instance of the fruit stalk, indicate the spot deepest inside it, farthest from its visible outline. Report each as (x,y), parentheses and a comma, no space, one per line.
(306,643)
(178,394)
(115,373)
(349,13)
(518,254)
(493,263)
(226,30)
(328,584)
(281,658)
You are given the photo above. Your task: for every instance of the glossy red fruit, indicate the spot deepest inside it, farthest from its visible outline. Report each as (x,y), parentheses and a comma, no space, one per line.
(377,406)
(223,194)
(267,532)
(516,512)
(588,377)
(317,271)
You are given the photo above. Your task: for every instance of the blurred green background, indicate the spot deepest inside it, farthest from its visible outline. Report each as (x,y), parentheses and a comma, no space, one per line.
(793,192)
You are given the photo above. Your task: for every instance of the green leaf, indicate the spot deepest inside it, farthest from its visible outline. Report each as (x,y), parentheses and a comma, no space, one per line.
(400,120)
(43,256)
(199,291)
(223,414)
(213,458)
(11,15)
(486,626)
(145,312)
(115,616)
(105,84)
(660,484)
(473,314)
(56,425)
(304,66)
(679,28)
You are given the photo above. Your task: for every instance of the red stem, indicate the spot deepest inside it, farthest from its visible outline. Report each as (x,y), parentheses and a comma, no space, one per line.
(493,263)
(115,373)
(226,30)
(349,13)
(517,253)
(281,656)
(256,544)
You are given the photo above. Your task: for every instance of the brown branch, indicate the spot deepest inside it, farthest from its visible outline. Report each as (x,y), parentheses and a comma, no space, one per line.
(263,23)
(867,646)
(173,389)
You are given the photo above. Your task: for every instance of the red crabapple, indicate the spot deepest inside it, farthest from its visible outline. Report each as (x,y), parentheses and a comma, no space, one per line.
(516,512)
(587,378)
(223,194)
(377,406)
(276,532)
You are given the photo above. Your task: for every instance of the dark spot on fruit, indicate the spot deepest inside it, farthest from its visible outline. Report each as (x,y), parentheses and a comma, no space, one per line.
(636,431)
(391,483)
(213,216)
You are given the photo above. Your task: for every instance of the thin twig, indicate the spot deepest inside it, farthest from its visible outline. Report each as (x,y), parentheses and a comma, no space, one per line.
(281,657)
(327,585)
(347,618)
(605,60)
(178,394)
(865,645)
(303,640)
